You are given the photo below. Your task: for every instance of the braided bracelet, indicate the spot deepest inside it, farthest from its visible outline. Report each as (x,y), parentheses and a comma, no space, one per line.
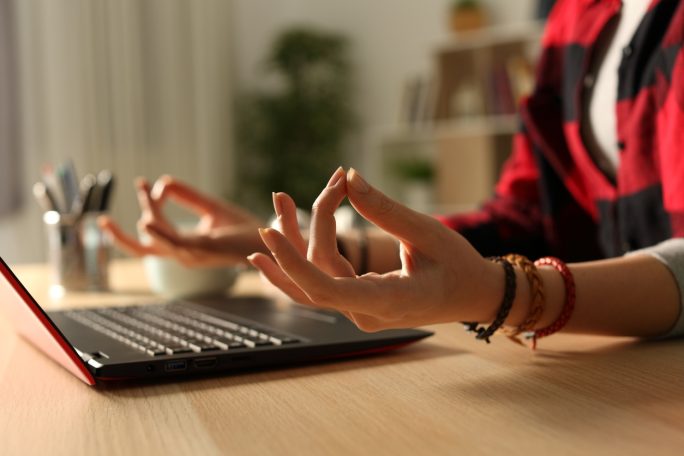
(506,304)
(568,306)
(537,301)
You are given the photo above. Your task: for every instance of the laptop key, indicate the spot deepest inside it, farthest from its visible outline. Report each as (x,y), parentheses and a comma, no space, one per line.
(227,344)
(221,344)
(177,350)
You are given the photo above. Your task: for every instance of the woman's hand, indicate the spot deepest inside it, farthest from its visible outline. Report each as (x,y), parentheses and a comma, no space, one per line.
(224,234)
(443,278)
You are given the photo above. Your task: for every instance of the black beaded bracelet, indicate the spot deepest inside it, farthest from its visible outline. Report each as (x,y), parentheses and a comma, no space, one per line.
(506,304)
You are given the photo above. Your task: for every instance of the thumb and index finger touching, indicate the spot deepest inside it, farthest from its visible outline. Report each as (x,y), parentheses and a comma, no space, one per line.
(405,224)
(169,188)
(151,200)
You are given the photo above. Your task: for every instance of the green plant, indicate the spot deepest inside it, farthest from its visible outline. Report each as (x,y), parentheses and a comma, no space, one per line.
(460,5)
(291,138)
(414,170)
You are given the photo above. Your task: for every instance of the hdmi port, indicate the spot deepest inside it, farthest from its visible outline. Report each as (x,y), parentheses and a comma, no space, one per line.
(204,363)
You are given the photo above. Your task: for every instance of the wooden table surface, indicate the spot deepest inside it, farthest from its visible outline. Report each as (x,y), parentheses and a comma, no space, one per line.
(447,395)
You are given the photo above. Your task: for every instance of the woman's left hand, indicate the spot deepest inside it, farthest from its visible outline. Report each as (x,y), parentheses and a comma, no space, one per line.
(443,278)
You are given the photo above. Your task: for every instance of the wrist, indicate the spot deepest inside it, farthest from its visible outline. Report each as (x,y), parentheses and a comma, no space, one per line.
(554,291)
(484,304)
(522,301)
(491,278)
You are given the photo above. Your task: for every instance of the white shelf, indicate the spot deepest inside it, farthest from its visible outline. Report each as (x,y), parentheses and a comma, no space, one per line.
(494,35)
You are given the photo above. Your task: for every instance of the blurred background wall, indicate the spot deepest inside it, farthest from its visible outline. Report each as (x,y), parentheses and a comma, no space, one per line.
(391,41)
(146,87)
(138,87)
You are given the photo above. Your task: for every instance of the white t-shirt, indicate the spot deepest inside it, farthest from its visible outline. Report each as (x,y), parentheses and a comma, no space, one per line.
(601,109)
(603,134)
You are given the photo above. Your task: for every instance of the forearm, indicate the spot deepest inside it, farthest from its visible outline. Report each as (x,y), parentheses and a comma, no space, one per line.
(626,296)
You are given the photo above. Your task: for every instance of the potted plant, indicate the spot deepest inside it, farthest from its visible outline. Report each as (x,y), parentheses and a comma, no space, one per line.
(467,15)
(417,177)
(291,137)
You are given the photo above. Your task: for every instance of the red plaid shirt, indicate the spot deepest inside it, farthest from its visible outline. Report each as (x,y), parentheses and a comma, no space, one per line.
(553,198)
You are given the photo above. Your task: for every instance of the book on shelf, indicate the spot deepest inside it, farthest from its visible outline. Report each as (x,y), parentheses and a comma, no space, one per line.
(492,92)
(418,101)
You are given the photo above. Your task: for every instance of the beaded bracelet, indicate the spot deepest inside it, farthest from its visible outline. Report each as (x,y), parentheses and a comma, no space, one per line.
(537,301)
(568,306)
(506,304)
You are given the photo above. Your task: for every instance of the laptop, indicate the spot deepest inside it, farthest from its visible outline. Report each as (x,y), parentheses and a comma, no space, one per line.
(179,338)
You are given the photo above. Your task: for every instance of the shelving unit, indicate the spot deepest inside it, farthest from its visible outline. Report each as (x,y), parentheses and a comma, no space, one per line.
(472,117)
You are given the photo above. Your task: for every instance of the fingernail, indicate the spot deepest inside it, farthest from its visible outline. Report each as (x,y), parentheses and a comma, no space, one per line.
(251,257)
(157,189)
(276,204)
(265,234)
(337,175)
(357,182)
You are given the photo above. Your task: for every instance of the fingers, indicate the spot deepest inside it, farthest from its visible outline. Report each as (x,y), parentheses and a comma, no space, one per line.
(151,209)
(314,282)
(286,210)
(409,226)
(185,195)
(344,293)
(123,240)
(323,250)
(277,277)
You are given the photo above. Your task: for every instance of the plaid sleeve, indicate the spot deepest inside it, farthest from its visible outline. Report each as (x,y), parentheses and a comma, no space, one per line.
(670,95)
(513,220)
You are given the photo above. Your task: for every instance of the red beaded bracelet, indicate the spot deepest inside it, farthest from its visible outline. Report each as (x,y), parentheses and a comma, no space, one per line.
(568,306)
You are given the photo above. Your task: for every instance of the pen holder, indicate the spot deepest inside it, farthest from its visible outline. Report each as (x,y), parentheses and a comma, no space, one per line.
(78,251)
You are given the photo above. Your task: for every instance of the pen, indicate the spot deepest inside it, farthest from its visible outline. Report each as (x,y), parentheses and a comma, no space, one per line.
(69,178)
(87,191)
(42,194)
(105,180)
(54,188)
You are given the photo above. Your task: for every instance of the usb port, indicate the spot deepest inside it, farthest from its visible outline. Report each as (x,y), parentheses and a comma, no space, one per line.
(204,363)
(175,366)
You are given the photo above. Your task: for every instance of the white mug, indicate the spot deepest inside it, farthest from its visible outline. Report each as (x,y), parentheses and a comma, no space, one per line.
(170,278)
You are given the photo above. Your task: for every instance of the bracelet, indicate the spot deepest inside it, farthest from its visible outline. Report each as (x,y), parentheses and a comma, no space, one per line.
(506,304)
(537,301)
(568,306)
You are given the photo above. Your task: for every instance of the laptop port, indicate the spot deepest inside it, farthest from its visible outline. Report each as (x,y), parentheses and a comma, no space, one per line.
(175,366)
(204,363)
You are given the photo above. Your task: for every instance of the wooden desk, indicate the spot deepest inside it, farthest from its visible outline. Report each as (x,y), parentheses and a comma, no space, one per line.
(447,395)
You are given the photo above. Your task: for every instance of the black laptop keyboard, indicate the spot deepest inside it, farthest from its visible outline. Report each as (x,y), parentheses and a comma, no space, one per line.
(169,330)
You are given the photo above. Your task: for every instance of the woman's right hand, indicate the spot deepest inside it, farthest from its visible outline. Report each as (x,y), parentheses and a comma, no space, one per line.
(442,277)
(224,235)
